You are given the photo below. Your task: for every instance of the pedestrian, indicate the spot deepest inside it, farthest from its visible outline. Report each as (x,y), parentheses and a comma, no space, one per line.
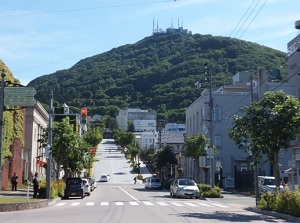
(36,185)
(14,182)
(134,180)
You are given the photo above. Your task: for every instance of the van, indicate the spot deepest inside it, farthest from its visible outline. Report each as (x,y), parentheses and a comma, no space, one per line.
(267,184)
(152,183)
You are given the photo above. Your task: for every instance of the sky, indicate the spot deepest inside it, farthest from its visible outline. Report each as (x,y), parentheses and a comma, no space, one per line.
(40,37)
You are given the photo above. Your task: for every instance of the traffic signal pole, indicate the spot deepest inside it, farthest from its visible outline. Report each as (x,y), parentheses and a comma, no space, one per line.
(49,157)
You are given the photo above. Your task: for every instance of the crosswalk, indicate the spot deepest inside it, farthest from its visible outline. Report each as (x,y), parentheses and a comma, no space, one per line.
(146,203)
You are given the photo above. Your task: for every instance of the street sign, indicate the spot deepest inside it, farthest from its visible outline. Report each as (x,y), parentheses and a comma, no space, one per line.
(19,101)
(19,91)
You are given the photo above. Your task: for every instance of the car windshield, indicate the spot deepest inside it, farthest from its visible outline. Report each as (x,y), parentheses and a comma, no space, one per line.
(156,180)
(269,182)
(186,182)
(103,176)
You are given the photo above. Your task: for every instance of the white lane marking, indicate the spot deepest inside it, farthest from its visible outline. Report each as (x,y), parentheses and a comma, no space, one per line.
(192,205)
(104,203)
(205,205)
(147,203)
(129,194)
(90,203)
(133,203)
(177,204)
(162,204)
(75,204)
(119,203)
(220,205)
(60,204)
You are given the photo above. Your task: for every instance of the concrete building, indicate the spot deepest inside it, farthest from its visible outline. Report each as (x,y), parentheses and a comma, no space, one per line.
(36,122)
(293,48)
(227,101)
(137,115)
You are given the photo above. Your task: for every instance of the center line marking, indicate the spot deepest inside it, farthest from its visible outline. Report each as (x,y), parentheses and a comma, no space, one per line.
(129,194)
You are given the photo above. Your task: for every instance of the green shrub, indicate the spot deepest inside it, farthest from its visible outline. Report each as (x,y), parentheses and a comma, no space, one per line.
(165,184)
(57,189)
(206,191)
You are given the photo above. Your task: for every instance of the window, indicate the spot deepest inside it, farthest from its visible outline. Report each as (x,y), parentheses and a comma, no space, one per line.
(218,141)
(217,114)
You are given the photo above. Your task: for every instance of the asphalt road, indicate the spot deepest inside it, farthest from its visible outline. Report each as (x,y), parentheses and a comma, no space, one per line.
(121,201)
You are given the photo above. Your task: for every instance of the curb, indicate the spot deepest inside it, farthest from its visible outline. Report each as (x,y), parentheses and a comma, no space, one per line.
(23,206)
(274,214)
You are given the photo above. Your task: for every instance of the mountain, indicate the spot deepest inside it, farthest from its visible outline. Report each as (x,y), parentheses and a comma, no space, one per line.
(156,73)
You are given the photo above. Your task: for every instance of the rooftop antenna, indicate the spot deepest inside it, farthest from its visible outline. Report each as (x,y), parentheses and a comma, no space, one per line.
(153,25)
(172,22)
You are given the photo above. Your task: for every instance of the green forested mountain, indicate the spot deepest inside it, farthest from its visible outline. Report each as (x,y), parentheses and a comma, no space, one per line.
(156,73)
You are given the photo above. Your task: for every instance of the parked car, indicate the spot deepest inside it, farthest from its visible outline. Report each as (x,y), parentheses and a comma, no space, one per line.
(184,187)
(152,183)
(74,188)
(104,178)
(86,186)
(92,183)
(267,184)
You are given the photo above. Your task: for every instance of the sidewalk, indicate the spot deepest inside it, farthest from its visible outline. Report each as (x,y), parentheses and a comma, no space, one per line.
(20,192)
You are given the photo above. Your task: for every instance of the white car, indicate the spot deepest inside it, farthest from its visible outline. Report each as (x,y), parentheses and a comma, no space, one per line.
(184,187)
(104,178)
(87,186)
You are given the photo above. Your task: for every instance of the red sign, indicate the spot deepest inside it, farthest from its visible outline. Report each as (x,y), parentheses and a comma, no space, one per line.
(93,149)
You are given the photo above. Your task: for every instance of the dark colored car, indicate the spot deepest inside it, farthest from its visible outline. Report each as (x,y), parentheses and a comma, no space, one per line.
(74,187)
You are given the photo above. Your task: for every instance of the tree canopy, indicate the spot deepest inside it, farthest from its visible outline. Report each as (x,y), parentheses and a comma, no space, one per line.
(158,73)
(267,127)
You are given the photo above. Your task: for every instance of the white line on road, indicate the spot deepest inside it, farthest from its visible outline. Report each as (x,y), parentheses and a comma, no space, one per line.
(129,194)
(90,203)
(162,204)
(190,204)
(104,203)
(75,204)
(220,205)
(177,204)
(147,203)
(205,205)
(134,203)
(119,203)
(60,204)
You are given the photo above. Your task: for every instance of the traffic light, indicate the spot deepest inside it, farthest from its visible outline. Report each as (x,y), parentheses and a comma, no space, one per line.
(83,115)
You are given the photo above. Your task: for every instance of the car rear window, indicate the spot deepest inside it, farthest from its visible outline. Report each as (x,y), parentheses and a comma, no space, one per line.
(155,180)
(186,182)
(73,181)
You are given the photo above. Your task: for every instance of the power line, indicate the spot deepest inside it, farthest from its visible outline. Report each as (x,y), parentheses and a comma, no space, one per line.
(242,18)
(247,18)
(87,9)
(253,18)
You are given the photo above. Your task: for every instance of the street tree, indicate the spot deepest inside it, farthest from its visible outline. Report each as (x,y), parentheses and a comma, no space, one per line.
(195,147)
(267,127)
(124,139)
(165,158)
(67,147)
(93,136)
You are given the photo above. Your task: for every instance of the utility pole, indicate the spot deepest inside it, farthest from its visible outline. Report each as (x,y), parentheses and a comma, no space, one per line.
(208,72)
(1,122)
(256,166)
(49,157)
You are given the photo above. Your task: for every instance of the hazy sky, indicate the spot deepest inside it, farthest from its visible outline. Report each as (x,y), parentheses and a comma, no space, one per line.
(39,37)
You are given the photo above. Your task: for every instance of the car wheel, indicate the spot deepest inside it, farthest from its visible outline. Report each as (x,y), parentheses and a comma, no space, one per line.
(82,196)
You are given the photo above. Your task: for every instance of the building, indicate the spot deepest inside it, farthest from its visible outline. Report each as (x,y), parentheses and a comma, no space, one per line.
(144,119)
(36,123)
(293,49)
(227,101)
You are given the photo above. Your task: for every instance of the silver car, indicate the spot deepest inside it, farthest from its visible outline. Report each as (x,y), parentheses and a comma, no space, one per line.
(152,183)
(184,187)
